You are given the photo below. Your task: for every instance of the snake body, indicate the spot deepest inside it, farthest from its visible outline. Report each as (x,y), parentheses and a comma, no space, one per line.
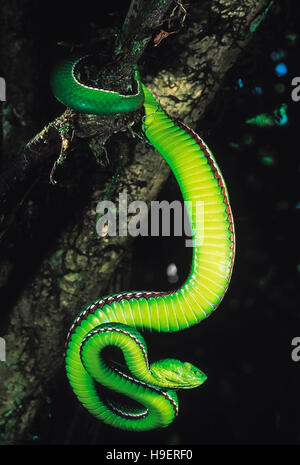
(115,320)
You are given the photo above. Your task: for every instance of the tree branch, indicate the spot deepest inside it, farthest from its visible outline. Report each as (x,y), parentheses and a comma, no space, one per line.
(141,22)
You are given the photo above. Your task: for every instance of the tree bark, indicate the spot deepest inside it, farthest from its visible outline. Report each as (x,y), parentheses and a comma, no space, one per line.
(72,266)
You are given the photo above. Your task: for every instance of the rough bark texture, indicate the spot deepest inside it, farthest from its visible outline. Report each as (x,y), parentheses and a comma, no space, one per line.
(74,266)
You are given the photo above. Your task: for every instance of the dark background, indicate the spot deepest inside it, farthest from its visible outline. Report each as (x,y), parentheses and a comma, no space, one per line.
(251,395)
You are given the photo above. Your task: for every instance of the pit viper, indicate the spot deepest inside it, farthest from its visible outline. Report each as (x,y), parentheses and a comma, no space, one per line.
(135,395)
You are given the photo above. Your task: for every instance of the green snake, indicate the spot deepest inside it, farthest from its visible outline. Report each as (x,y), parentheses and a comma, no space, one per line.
(138,396)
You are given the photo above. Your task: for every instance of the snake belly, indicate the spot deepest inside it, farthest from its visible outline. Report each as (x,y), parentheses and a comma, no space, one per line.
(115,320)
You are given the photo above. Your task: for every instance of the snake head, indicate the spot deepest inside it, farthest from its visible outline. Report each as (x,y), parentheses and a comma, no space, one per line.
(174,374)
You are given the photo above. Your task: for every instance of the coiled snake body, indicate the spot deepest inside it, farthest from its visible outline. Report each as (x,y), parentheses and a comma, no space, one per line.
(115,320)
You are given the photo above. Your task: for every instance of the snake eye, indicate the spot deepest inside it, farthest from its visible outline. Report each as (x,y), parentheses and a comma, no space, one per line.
(187,365)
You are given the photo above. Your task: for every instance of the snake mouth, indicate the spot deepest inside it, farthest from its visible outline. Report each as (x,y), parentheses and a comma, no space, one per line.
(189,385)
